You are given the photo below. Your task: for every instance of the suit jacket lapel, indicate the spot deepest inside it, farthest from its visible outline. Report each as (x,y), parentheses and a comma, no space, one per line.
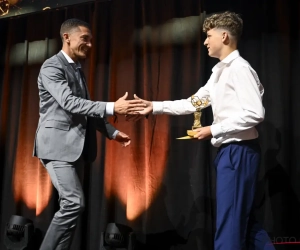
(70,68)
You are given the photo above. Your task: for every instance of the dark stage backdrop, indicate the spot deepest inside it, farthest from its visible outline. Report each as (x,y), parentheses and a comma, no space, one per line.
(13,8)
(161,187)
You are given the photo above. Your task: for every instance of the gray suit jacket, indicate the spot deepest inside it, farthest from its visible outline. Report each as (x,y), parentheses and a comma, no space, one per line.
(68,122)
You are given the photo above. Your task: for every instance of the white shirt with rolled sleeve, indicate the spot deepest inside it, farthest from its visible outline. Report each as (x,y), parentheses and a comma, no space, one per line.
(235,95)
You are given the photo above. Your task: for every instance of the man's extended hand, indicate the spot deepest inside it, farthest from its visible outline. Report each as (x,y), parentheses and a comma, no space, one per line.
(148,108)
(203,133)
(123,139)
(124,107)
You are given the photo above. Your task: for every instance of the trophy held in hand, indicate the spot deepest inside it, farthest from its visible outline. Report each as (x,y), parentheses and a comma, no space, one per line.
(199,104)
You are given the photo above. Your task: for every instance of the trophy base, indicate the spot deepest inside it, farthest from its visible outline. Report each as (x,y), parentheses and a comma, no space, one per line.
(185,138)
(190,135)
(191,132)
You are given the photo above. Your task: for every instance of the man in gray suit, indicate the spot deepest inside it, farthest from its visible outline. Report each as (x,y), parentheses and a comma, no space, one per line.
(66,134)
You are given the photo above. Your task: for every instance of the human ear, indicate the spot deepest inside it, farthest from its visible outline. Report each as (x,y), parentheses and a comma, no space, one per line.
(225,36)
(66,37)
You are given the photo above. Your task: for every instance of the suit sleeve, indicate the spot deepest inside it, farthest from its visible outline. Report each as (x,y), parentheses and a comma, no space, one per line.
(54,81)
(104,127)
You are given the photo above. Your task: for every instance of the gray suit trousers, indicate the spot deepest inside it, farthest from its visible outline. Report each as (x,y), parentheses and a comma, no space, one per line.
(65,178)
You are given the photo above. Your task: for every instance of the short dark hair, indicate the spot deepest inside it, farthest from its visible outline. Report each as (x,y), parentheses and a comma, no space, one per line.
(71,24)
(229,21)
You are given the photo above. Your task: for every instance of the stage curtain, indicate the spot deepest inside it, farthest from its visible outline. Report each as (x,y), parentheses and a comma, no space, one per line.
(163,188)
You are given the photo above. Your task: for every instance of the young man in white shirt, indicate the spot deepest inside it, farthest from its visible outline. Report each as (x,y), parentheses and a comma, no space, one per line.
(235,94)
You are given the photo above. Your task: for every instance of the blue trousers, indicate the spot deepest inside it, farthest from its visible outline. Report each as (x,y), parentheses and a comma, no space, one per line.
(237,166)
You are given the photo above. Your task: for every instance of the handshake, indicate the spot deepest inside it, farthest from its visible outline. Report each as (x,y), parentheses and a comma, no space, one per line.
(132,109)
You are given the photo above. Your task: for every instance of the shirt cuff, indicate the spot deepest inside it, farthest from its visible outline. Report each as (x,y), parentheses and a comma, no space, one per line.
(110,108)
(216,130)
(115,134)
(158,108)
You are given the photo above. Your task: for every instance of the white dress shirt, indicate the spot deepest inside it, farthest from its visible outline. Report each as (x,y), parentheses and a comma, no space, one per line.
(235,95)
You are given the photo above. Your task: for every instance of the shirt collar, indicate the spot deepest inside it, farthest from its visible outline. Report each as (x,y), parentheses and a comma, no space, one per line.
(228,59)
(70,60)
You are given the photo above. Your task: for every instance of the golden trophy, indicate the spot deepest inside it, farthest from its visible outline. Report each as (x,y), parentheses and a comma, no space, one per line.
(199,104)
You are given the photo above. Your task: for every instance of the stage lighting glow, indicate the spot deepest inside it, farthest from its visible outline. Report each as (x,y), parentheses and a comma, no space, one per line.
(136,178)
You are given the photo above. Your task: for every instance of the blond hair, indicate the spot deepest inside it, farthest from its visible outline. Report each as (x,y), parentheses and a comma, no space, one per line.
(229,21)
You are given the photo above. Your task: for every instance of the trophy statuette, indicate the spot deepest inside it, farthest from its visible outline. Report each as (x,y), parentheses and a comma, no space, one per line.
(199,104)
